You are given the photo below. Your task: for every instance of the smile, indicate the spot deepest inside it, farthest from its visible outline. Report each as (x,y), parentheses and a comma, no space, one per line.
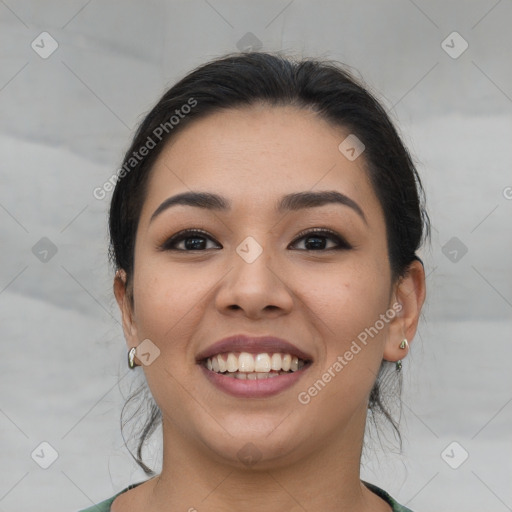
(246,375)
(246,366)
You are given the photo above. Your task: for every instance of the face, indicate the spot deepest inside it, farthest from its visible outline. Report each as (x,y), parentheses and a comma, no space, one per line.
(267,262)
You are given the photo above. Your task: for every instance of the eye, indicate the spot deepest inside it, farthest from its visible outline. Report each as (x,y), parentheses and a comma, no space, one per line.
(318,239)
(198,240)
(189,240)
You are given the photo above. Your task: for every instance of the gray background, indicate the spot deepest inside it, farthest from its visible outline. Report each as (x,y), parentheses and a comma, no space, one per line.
(65,121)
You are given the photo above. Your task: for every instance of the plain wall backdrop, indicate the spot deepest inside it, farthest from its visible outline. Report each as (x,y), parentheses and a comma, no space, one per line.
(76,77)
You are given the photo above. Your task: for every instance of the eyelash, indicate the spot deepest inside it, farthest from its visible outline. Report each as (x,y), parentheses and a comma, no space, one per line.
(342,244)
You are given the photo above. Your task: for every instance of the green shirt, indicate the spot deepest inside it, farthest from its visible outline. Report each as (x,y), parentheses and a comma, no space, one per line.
(104,506)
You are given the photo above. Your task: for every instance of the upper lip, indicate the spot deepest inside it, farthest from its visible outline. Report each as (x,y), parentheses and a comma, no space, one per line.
(252,345)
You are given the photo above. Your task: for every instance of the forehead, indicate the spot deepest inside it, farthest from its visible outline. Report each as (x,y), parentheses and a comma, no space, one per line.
(254,155)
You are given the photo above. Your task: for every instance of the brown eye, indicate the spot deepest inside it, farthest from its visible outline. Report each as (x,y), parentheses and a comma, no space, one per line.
(190,240)
(321,240)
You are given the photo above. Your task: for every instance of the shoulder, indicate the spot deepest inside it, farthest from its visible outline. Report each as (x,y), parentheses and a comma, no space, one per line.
(396,507)
(104,506)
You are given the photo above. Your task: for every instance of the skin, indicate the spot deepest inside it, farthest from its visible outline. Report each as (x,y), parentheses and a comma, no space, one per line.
(320,300)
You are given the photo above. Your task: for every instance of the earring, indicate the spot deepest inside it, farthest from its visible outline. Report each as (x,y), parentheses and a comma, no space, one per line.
(131,357)
(403,345)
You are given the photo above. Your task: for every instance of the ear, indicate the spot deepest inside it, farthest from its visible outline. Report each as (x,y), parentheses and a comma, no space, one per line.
(124,302)
(409,292)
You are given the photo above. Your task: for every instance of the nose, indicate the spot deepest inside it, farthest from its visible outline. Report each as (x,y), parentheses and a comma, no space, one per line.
(254,289)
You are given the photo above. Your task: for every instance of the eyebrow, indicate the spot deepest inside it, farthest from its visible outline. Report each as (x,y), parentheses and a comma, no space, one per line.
(289,202)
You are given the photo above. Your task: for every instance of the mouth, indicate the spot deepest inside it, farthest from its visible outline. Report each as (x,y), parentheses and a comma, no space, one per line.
(247,366)
(253,367)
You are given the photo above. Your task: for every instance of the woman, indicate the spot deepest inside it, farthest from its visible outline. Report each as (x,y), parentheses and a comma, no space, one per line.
(264,229)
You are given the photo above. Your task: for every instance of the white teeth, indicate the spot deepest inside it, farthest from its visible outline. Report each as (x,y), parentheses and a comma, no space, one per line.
(254,375)
(222,364)
(254,366)
(262,363)
(232,362)
(276,362)
(246,362)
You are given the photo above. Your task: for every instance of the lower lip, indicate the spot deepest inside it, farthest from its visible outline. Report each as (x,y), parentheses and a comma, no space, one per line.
(258,388)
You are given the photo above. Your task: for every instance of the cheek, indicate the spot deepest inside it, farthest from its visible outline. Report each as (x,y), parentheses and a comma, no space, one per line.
(162,298)
(347,300)
(167,309)
(170,303)
(343,305)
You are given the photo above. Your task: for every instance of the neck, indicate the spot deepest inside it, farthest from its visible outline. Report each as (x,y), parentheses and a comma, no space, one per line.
(326,478)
